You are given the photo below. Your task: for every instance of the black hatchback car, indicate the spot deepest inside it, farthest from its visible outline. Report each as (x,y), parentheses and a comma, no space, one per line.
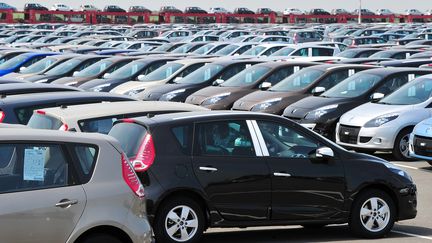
(321,113)
(241,169)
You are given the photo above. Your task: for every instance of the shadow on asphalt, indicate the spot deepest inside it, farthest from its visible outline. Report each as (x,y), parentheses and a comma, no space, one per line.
(419,230)
(327,234)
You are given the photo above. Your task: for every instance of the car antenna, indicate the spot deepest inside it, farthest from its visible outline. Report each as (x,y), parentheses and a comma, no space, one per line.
(150,115)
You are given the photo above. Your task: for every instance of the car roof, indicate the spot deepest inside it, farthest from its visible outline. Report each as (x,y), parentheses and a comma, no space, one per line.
(88,111)
(44,97)
(392,70)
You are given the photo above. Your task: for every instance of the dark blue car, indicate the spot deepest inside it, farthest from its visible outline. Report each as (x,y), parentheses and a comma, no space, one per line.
(23,60)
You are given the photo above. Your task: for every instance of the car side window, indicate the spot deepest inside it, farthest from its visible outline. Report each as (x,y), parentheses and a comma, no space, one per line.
(333,79)
(26,167)
(152,67)
(285,142)
(322,52)
(224,138)
(271,50)
(233,70)
(393,84)
(183,137)
(280,74)
(303,52)
(86,156)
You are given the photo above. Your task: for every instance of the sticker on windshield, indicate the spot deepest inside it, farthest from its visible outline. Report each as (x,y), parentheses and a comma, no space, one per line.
(351,72)
(411,77)
(296,68)
(34,163)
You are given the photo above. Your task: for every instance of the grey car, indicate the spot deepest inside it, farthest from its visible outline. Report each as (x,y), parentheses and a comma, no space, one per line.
(64,187)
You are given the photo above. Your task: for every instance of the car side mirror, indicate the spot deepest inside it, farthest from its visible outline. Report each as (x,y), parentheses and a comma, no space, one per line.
(106,75)
(324,153)
(265,85)
(218,82)
(22,68)
(140,77)
(318,91)
(375,97)
(75,73)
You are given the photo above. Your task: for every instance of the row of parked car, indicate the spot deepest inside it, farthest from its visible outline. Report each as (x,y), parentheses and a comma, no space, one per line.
(172,138)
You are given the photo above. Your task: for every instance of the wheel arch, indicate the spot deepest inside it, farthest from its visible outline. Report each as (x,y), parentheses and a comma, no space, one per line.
(105,229)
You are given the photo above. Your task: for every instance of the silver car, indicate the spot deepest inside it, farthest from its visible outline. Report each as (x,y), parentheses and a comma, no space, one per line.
(387,124)
(65,187)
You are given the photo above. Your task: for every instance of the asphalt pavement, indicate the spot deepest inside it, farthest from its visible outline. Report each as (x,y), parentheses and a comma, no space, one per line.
(415,230)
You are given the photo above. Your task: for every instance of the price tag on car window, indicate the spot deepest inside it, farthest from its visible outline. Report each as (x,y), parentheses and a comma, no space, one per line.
(407,55)
(296,68)
(351,72)
(411,77)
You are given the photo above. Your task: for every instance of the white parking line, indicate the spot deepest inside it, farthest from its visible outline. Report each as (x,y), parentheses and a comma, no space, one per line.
(413,235)
(406,166)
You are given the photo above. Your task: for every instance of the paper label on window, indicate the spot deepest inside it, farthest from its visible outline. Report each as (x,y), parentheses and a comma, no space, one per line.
(411,77)
(34,162)
(296,68)
(351,72)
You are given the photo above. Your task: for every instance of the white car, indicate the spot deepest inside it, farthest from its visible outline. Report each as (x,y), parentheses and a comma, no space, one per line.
(413,12)
(61,7)
(428,12)
(420,141)
(88,7)
(383,11)
(387,124)
(218,10)
(289,11)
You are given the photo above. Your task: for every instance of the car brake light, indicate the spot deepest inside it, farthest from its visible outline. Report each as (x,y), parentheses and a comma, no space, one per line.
(2,116)
(131,178)
(40,112)
(128,120)
(330,62)
(64,127)
(145,156)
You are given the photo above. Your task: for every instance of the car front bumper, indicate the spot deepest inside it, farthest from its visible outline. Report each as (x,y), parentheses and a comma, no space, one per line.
(369,138)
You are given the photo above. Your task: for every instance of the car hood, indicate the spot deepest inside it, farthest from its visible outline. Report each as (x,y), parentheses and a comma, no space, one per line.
(202,94)
(95,82)
(73,80)
(135,85)
(300,108)
(37,77)
(361,115)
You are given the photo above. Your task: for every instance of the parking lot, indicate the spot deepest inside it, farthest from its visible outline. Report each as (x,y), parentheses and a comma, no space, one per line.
(415,230)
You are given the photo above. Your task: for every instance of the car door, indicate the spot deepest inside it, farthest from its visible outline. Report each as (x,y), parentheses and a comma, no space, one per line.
(39,193)
(302,188)
(230,168)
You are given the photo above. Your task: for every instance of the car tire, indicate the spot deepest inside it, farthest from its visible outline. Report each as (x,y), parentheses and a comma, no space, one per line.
(372,214)
(400,147)
(179,219)
(97,238)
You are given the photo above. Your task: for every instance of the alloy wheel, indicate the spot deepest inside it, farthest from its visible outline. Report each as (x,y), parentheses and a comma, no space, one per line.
(375,214)
(181,223)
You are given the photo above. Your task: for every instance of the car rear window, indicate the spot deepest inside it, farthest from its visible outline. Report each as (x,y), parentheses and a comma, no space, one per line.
(102,125)
(130,136)
(40,121)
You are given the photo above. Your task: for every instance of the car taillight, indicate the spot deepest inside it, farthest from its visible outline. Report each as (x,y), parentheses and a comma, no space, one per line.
(330,62)
(131,178)
(2,116)
(64,127)
(145,156)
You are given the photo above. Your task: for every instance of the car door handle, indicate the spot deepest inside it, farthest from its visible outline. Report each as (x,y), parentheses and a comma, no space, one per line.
(209,169)
(280,174)
(65,203)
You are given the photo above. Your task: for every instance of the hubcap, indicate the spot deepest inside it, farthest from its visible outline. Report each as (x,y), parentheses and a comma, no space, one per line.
(181,223)
(403,146)
(375,214)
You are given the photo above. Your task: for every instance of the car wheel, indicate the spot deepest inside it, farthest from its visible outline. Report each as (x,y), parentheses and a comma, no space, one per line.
(373,214)
(179,220)
(97,238)
(401,145)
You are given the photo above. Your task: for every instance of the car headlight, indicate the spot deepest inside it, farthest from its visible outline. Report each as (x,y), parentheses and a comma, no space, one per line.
(266,104)
(134,91)
(99,88)
(316,114)
(393,168)
(42,81)
(381,120)
(215,99)
(169,96)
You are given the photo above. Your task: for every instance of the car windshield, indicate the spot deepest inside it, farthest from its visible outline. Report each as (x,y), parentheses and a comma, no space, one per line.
(123,45)
(202,74)
(39,66)
(414,92)
(353,86)
(283,52)
(13,62)
(298,80)
(227,50)
(94,69)
(163,72)
(64,67)
(183,48)
(348,53)
(204,49)
(127,70)
(382,54)
(246,77)
(164,47)
(254,51)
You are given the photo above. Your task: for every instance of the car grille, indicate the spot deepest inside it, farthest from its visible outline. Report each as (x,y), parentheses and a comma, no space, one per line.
(348,134)
(422,146)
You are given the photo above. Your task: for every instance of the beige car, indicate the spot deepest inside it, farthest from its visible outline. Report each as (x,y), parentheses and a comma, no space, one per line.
(68,187)
(100,117)
(170,72)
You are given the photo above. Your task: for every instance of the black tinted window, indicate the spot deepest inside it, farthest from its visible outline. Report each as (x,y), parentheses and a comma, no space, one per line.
(182,135)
